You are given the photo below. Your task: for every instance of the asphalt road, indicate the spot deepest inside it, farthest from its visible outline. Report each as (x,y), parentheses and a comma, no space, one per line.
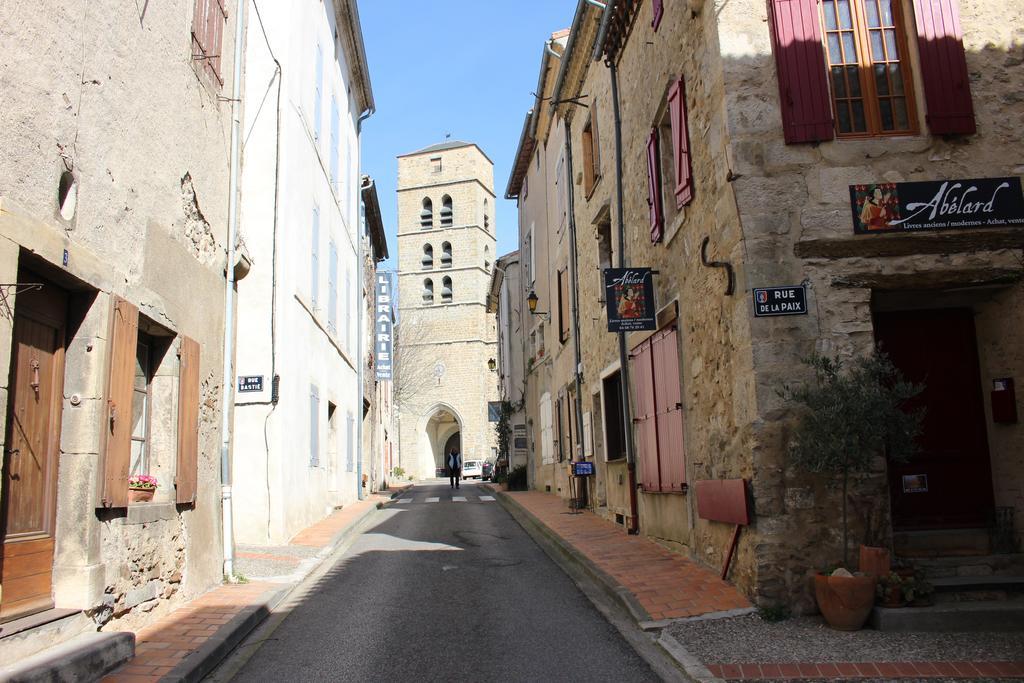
(442,591)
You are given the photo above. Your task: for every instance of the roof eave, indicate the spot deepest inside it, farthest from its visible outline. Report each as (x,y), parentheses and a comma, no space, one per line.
(374,220)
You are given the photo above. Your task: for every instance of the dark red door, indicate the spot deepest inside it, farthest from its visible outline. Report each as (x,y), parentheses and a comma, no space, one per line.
(949,483)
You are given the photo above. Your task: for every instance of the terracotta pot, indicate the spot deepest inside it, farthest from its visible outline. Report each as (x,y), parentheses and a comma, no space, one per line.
(140,495)
(874,561)
(845,601)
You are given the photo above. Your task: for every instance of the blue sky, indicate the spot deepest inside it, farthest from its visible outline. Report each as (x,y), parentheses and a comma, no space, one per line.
(427,55)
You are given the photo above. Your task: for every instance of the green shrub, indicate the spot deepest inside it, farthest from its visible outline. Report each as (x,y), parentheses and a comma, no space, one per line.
(517,478)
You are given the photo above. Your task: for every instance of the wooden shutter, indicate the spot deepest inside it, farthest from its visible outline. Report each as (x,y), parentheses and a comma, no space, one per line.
(668,409)
(654,186)
(641,374)
(680,143)
(332,289)
(117,418)
(800,67)
(947,88)
(658,8)
(187,475)
(215,28)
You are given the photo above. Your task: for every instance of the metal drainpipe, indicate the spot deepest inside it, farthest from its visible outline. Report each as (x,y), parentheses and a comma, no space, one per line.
(360,319)
(573,292)
(627,421)
(229,300)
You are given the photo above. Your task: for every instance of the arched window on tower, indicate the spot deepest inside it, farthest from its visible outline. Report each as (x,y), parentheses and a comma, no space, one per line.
(427,214)
(446,290)
(487,219)
(487,258)
(428,257)
(428,292)
(446,255)
(447,218)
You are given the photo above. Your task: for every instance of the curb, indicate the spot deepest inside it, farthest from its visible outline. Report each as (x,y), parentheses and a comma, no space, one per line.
(88,656)
(205,659)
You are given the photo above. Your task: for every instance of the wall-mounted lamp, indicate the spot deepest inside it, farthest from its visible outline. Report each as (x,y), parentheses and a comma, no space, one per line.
(492,364)
(531,301)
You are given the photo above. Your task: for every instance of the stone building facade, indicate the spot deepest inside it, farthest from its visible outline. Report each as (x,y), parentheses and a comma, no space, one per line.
(764,198)
(446,251)
(301,217)
(113,218)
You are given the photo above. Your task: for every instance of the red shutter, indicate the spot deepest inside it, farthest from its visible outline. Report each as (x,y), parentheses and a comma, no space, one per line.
(654,186)
(947,88)
(117,419)
(669,409)
(187,475)
(800,66)
(641,375)
(680,143)
(659,8)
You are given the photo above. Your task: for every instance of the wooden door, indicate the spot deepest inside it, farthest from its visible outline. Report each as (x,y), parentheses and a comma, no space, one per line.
(949,483)
(31,447)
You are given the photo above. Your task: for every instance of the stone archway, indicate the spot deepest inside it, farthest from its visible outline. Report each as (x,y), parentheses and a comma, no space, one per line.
(443,428)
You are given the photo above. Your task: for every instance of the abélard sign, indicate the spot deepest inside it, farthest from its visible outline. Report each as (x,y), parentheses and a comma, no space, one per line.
(937,205)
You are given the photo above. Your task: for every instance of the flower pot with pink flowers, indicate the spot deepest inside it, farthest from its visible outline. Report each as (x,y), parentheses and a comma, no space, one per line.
(141,488)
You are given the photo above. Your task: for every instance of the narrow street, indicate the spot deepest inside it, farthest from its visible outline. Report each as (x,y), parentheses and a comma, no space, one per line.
(444,585)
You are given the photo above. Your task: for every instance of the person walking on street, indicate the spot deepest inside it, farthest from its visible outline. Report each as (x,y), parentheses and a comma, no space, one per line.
(454,468)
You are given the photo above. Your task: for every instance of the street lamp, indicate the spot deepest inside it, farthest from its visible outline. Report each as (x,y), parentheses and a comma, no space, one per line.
(531,301)
(491,364)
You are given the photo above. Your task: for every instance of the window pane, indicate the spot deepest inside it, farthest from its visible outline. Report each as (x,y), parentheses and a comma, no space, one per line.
(830,15)
(890,44)
(139,400)
(887,18)
(896,79)
(859,120)
(138,458)
(877,51)
(843,114)
(885,108)
(902,119)
(853,79)
(881,80)
(849,47)
(835,54)
(872,7)
(838,82)
(141,364)
(845,18)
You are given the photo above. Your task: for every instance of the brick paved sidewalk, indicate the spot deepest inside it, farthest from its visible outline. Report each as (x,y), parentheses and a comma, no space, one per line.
(665,584)
(868,670)
(196,636)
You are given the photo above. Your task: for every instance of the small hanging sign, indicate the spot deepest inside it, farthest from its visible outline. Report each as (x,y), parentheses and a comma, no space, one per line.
(629,296)
(772,301)
(583,469)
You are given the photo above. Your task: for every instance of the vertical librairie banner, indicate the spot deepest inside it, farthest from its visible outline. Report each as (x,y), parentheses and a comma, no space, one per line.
(629,295)
(382,327)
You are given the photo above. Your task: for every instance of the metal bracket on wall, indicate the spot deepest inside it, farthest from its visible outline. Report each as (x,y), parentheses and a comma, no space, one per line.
(731,286)
(14,289)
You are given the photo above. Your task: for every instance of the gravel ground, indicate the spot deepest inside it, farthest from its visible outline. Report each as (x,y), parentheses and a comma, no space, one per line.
(809,639)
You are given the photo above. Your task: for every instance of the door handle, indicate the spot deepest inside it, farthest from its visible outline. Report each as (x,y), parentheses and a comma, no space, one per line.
(35,377)
(112,414)
(10,461)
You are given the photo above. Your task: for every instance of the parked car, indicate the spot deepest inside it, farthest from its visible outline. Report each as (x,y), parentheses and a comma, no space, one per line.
(488,470)
(472,469)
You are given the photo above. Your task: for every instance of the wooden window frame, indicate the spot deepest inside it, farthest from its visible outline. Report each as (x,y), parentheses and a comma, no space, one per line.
(865,72)
(591,153)
(205,33)
(148,341)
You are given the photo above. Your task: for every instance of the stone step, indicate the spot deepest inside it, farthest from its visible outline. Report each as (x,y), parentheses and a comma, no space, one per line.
(952,617)
(23,637)
(969,566)
(86,657)
(941,543)
(977,588)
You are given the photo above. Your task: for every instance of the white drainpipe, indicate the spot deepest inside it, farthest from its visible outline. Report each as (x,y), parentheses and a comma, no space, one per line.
(229,298)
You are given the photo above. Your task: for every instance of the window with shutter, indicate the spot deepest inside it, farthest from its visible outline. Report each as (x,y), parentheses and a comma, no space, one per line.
(654,186)
(314,426)
(680,143)
(332,287)
(641,374)
(208,20)
(314,258)
(187,471)
(334,151)
(318,105)
(657,9)
(947,89)
(124,331)
(803,86)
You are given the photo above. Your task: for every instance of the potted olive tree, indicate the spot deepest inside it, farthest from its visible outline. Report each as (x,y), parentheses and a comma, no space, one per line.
(851,415)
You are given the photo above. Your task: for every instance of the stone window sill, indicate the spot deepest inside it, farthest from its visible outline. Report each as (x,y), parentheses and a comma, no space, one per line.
(144,513)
